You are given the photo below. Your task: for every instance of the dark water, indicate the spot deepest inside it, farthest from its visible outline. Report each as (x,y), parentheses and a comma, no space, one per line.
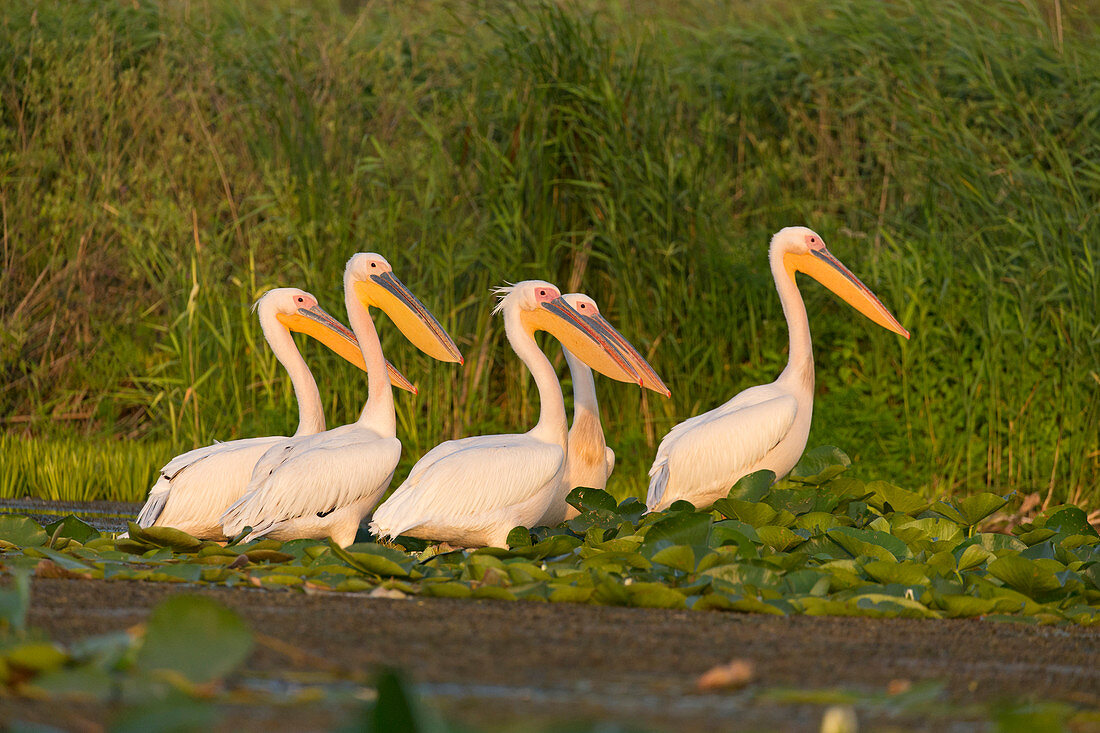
(106,516)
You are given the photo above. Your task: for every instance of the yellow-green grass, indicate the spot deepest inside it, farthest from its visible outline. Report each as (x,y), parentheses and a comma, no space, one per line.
(163,164)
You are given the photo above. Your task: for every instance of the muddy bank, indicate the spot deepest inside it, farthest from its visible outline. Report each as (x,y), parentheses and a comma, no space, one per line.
(495,662)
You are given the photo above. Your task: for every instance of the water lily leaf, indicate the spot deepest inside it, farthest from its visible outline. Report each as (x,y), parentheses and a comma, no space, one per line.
(817,522)
(448,589)
(680,528)
(876,544)
(970,510)
(170,715)
(195,637)
(563,593)
(966,606)
(818,465)
(1030,577)
(165,537)
(553,546)
(654,595)
(1037,535)
(1071,520)
(679,557)
(892,606)
(752,487)
(780,539)
(885,495)
(374,559)
(905,573)
(585,499)
(81,683)
(630,510)
(72,527)
(35,656)
(799,501)
(755,514)
(973,556)
(268,556)
(21,531)
(519,537)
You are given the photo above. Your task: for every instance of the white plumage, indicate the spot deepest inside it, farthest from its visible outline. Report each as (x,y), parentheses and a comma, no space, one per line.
(763,427)
(473,491)
(323,485)
(194,488)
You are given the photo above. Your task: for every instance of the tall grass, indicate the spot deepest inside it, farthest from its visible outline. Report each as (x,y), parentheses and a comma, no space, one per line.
(162,165)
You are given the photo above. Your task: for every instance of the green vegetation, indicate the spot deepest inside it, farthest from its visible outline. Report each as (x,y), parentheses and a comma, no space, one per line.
(819,543)
(163,164)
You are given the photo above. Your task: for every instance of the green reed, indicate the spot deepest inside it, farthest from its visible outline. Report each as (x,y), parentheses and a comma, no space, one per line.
(197,155)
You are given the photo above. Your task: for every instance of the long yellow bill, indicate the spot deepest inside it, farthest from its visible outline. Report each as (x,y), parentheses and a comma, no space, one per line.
(650,380)
(416,322)
(559,319)
(821,265)
(320,325)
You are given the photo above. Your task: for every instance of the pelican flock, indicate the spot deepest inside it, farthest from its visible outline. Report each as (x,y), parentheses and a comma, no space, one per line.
(473,491)
(194,488)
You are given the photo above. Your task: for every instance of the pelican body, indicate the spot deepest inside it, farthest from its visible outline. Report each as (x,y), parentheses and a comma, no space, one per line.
(763,427)
(589,460)
(324,484)
(472,492)
(194,488)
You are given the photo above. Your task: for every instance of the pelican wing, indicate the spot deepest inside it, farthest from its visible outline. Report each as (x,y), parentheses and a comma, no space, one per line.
(315,476)
(470,477)
(711,451)
(198,485)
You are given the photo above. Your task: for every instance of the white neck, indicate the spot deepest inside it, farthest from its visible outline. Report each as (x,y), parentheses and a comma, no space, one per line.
(311,416)
(378,411)
(800,361)
(584,386)
(552,425)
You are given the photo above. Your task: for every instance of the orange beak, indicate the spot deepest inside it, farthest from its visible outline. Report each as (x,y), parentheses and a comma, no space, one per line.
(570,328)
(821,265)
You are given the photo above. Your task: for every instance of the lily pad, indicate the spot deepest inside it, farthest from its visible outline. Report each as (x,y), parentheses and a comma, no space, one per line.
(818,465)
(21,531)
(970,510)
(72,527)
(1030,577)
(195,637)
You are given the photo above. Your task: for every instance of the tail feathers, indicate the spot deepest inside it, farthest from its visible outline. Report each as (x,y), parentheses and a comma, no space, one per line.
(658,482)
(154,505)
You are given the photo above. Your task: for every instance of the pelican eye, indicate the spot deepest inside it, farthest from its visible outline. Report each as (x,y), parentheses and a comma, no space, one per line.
(301,299)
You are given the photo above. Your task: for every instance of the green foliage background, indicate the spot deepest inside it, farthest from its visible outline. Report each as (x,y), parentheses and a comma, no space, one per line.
(163,164)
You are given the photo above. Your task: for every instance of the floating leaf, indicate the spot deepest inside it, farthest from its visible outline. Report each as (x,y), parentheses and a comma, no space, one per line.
(654,595)
(1030,577)
(885,495)
(876,544)
(755,514)
(752,487)
(72,527)
(1070,520)
(970,510)
(585,499)
(195,637)
(519,537)
(781,539)
(21,531)
(165,537)
(820,464)
(680,528)
(679,557)
(374,559)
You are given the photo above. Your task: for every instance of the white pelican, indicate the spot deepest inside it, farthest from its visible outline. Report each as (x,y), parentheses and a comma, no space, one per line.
(589,460)
(473,491)
(763,427)
(323,485)
(194,488)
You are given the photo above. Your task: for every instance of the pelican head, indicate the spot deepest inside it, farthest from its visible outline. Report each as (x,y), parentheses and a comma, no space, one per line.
(298,311)
(540,307)
(371,278)
(590,312)
(803,250)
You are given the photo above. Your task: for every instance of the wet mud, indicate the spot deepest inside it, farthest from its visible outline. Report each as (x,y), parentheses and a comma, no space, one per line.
(495,664)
